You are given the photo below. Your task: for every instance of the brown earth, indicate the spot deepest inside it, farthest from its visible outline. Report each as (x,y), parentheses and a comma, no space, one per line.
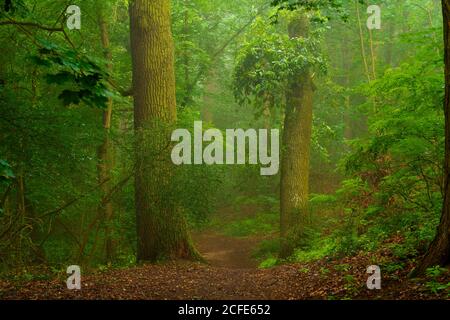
(228,252)
(195,281)
(231,274)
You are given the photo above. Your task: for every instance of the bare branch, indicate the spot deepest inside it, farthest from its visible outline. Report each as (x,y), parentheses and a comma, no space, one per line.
(31,24)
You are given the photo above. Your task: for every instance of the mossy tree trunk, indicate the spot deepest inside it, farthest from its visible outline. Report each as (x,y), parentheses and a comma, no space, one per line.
(161,228)
(296,150)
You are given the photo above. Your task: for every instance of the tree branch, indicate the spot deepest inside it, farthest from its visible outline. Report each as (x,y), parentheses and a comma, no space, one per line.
(31,24)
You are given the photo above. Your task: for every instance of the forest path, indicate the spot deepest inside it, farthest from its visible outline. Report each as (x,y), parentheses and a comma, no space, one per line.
(230,273)
(224,251)
(197,281)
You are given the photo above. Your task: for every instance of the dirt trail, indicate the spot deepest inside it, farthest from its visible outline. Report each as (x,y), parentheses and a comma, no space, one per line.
(196,281)
(228,252)
(231,273)
(225,251)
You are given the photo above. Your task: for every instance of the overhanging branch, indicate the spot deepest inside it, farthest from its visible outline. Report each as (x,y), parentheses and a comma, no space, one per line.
(31,24)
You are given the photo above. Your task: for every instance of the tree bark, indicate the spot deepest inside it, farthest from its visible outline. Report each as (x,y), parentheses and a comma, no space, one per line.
(161,228)
(296,151)
(439,250)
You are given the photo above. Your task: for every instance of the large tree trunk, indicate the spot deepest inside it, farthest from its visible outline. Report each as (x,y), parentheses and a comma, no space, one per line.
(439,250)
(296,151)
(161,228)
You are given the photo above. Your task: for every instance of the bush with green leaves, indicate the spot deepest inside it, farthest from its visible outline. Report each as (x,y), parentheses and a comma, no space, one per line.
(394,183)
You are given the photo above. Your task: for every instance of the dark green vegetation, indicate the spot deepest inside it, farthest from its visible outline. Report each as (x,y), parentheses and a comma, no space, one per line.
(85,117)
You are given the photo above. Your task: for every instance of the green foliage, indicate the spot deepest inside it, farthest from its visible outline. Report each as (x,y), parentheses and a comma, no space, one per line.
(268,263)
(267,249)
(50,145)
(351,286)
(342,267)
(332,6)
(322,200)
(393,267)
(304,270)
(396,172)
(264,201)
(324,272)
(6,172)
(205,33)
(261,224)
(435,272)
(77,70)
(434,285)
(268,59)
(318,249)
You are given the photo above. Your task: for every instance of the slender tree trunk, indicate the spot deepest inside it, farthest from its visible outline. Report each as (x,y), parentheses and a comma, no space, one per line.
(347,59)
(296,151)
(161,228)
(406,15)
(373,55)
(267,114)
(389,46)
(105,150)
(20,212)
(439,250)
(361,38)
(187,99)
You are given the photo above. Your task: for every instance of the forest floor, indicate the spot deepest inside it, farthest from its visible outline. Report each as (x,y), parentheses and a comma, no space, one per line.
(194,281)
(232,274)
(226,252)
